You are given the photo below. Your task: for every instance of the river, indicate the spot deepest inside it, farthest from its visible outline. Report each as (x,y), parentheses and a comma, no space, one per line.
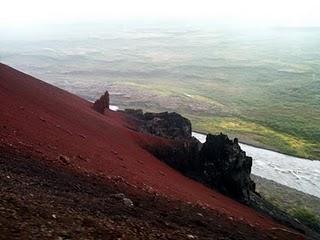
(299,173)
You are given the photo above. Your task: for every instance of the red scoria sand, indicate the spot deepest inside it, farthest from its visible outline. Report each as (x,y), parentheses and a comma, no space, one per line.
(42,123)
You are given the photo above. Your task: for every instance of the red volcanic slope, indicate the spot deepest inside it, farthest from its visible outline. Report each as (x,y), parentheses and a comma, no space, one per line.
(39,118)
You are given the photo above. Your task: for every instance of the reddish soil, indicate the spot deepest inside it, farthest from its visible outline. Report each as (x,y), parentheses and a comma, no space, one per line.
(39,121)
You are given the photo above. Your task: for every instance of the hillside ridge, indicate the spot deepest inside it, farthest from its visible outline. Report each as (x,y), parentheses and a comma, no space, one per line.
(40,121)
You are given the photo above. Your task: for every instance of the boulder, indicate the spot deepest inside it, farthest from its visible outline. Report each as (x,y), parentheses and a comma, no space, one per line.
(102,103)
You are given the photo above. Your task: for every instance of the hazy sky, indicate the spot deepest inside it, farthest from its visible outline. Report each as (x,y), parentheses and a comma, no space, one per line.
(264,12)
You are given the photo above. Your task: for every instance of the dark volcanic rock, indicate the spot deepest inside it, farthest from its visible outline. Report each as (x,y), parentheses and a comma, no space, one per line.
(102,103)
(226,167)
(219,163)
(169,125)
(182,155)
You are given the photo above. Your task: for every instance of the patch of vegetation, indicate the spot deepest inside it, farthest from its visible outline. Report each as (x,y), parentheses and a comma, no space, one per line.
(262,115)
(262,124)
(306,216)
(302,206)
(256,134)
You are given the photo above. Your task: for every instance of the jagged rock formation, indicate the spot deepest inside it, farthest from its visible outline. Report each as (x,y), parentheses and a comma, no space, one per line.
(219,162)
(226,167)
(102,103)
(169,125)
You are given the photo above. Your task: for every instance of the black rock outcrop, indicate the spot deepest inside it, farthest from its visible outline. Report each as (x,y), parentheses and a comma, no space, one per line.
(226,167)
(169,125)
(102,103)
(219,162)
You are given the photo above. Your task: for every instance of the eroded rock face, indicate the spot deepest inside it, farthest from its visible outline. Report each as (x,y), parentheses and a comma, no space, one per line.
(182,155)
(102,103)
(169,125)
(226,167)
(219,163)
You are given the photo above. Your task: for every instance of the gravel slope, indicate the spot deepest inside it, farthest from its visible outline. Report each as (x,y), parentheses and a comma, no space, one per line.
(38,201)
